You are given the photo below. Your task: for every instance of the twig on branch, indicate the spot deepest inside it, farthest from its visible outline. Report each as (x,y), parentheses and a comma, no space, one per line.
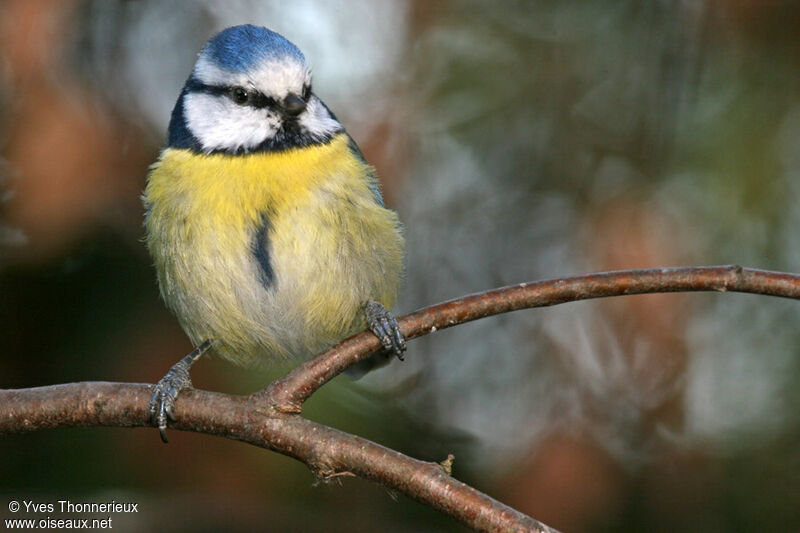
(270,418)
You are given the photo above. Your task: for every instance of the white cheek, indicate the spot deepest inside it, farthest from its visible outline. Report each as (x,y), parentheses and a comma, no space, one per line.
(220,124)
(317,121)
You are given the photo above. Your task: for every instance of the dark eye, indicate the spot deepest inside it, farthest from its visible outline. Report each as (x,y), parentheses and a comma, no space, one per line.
(306,92)
(239,95)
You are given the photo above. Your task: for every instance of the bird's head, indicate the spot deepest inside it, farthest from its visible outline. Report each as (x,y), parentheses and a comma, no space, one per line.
(249,91)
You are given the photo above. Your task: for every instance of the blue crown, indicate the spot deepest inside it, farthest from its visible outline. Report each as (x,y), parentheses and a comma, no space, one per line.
(239,48)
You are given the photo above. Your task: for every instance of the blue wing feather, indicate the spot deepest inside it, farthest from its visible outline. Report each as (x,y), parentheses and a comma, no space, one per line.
(373,181)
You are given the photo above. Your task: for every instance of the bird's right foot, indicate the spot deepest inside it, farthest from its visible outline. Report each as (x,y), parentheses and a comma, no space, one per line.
(166,391)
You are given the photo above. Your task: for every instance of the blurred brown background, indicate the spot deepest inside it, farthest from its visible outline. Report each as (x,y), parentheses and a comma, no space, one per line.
(518,141)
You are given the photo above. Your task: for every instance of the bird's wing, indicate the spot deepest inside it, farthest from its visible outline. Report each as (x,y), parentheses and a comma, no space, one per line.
(373,180)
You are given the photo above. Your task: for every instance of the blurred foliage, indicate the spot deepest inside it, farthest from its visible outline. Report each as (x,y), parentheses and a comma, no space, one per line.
(518,140)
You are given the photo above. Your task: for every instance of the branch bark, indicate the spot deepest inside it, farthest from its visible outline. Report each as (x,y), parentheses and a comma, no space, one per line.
(326,451)
(270,418)
(289,392)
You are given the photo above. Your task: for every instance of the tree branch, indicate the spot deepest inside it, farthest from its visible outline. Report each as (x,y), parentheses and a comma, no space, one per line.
(289,392)
(326,451)
(270,419)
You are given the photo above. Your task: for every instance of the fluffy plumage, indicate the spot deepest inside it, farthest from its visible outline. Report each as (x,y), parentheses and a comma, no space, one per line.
(330,247)
(265,224)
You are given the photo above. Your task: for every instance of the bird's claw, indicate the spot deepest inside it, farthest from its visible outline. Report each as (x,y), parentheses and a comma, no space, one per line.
(166,391)
(381,322)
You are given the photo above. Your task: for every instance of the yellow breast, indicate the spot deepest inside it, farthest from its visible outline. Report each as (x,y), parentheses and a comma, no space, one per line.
(331,247)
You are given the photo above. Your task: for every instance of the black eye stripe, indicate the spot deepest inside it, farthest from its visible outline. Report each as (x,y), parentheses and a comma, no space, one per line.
(260,100)
(254,98)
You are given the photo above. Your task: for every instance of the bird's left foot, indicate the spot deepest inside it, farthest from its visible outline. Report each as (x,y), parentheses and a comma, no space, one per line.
(384,325)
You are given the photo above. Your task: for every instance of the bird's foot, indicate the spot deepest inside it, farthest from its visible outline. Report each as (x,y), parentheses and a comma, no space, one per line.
(166,391)
(384,325)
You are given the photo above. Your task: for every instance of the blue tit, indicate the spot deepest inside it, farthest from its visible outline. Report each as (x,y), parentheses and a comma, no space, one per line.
(265,223)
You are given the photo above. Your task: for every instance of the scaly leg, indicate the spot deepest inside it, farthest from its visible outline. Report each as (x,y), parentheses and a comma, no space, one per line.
(381,322)
(162,404)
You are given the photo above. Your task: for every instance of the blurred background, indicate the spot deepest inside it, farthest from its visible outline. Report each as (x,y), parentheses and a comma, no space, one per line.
(518,141)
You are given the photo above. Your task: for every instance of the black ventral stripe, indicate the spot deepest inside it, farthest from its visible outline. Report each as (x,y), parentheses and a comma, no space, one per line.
(261,251)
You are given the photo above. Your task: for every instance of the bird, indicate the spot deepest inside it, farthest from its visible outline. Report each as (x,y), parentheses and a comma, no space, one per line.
(266,225)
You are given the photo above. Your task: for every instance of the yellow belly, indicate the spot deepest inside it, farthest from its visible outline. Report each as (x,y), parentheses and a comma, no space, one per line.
(331,247)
